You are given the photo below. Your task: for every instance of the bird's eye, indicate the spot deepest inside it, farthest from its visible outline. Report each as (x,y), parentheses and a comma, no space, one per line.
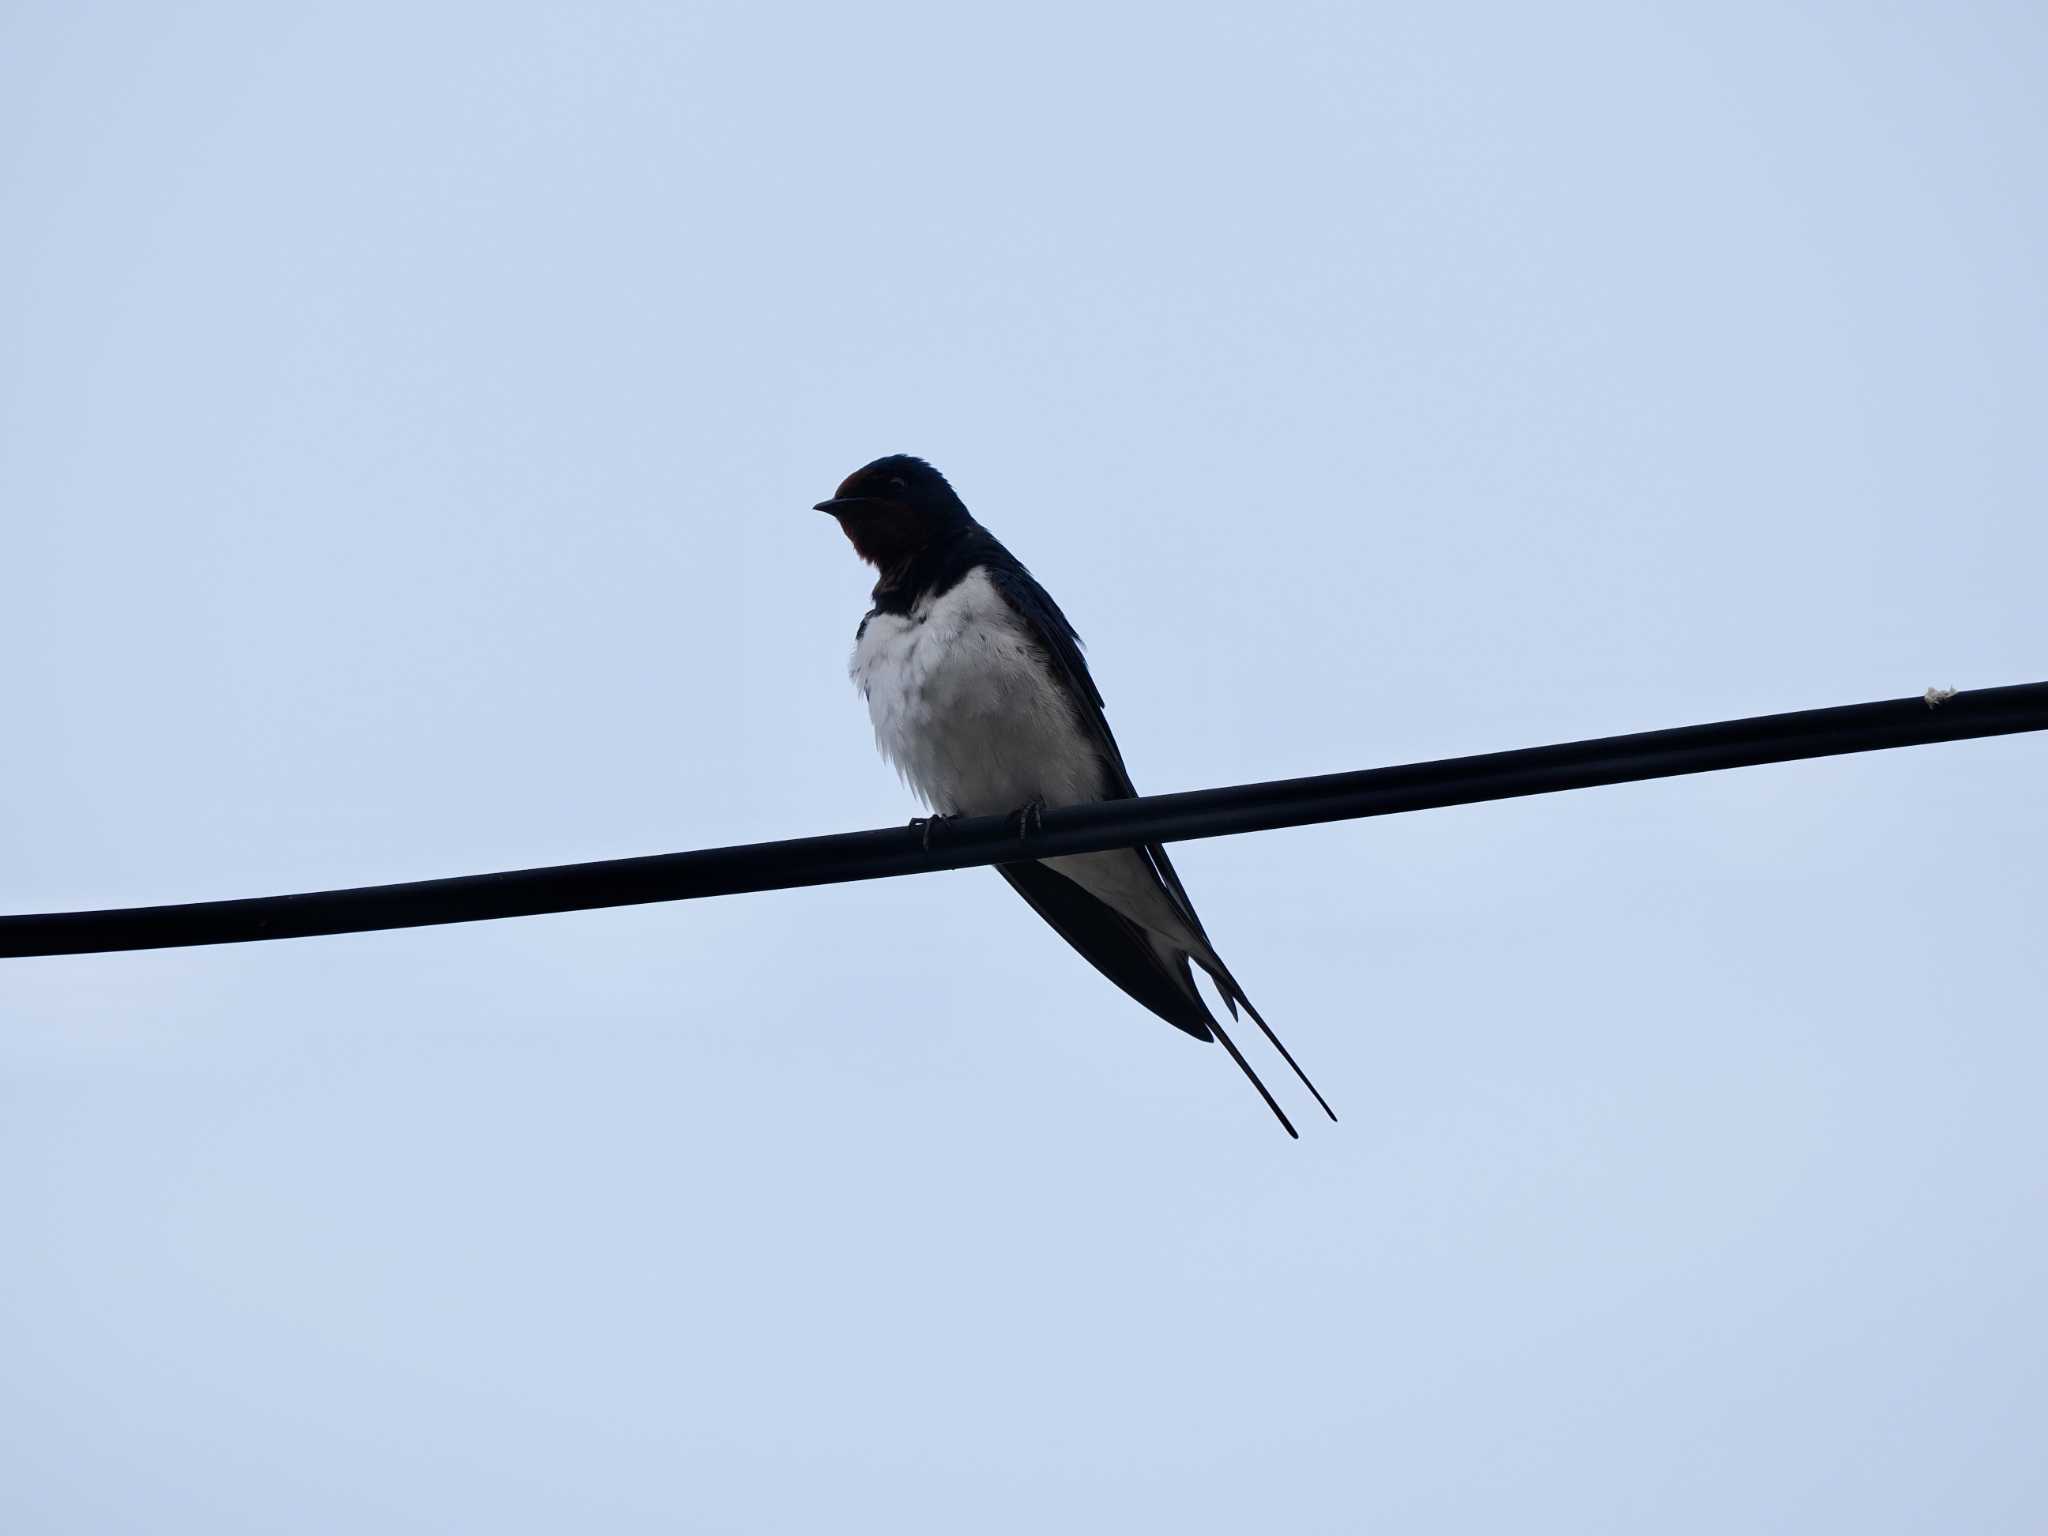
(898,483)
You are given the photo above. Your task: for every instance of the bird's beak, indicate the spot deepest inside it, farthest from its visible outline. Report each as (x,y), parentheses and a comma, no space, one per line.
(839,506)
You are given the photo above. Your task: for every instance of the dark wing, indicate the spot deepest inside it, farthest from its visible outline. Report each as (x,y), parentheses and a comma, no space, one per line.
(1104,947)
(1035,606)
(1113,944)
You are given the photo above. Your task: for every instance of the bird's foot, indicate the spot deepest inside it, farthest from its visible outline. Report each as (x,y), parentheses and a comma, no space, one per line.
(924,826)
(1028,819)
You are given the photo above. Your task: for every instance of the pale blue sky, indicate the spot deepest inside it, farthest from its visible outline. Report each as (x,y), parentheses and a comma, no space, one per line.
(409,419)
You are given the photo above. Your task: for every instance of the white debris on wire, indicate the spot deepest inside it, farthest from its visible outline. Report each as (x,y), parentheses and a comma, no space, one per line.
(1936,697)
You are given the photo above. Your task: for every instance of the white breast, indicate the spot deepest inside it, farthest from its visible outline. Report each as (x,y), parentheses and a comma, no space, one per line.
(966,709)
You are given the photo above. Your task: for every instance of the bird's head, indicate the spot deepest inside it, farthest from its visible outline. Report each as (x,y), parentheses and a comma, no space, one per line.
(895,507)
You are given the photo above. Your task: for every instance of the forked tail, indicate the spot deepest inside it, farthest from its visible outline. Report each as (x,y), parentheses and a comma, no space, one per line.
(1233,994)
(1245,1067)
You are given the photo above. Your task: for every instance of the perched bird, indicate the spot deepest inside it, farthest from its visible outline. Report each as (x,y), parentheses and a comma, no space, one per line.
(980,698)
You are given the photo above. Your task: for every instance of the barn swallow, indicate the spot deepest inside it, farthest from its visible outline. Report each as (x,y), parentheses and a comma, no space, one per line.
(980,698)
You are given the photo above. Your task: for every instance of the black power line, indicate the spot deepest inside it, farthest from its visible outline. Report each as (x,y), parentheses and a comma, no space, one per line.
(1076,829)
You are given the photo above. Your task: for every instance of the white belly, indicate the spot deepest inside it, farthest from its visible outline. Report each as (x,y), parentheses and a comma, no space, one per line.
(964,706)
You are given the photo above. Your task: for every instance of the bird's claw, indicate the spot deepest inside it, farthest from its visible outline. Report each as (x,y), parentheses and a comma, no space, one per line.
(1028,818)
(924,825)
